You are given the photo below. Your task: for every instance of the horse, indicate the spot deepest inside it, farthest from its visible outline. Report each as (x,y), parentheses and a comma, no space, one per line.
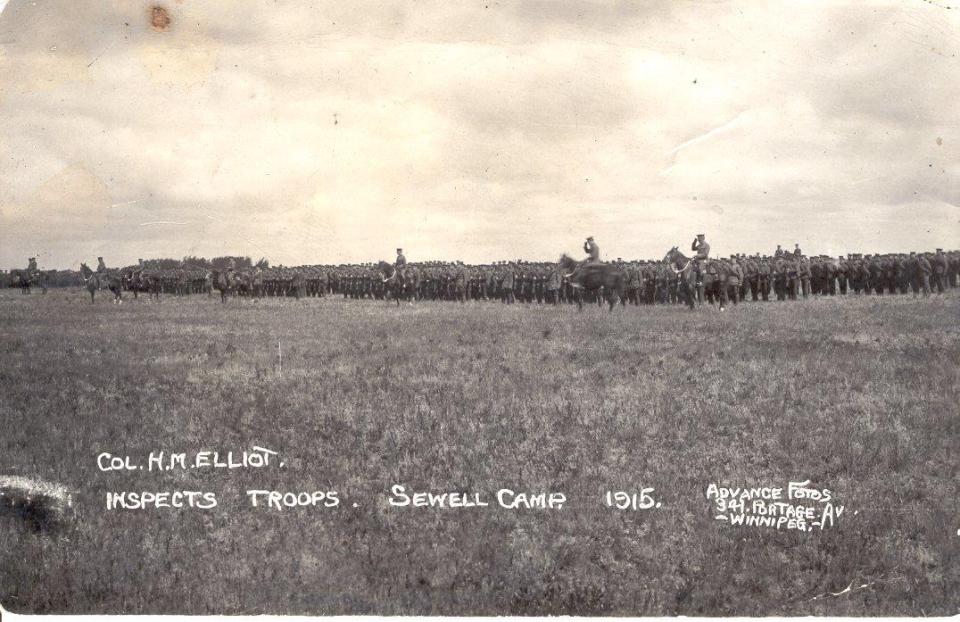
(25,279)
(399,287)
(225,283)
(595,277)
(135,281)
(715,278)
(100,280)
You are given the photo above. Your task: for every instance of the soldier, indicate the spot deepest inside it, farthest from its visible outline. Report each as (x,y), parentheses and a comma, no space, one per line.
(702,249)
(797,253)
(842,271)
(507,284)
(803,271)
(909,270)
(764,276)
(592,250)
(923,275)
(101,267)
(735,279)
(553,285)
(780,277)
(778,253)
(751,276)
(940,265)
(400,265)
(876,274)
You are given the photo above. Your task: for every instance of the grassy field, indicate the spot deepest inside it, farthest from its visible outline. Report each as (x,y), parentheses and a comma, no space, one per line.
(859,395)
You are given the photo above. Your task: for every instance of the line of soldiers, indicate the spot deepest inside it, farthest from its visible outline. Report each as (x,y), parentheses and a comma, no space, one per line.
(783,276)
(788,276)
(256,282)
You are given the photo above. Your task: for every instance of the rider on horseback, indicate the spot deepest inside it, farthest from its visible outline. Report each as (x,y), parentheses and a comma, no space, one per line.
(32,272)
(400,265)
(101,267)
(592,250)
(702,258)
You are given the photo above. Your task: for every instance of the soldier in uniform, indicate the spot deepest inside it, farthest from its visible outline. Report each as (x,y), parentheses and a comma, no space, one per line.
(779,276)
(507,284)
(400,265)
(940,265)
(923,274)
(778,253)
(702,249)
(735,280)
(842,271)
(764,276)
(592,250)
(101,267)
(803,272)
(796,251)
(553,285)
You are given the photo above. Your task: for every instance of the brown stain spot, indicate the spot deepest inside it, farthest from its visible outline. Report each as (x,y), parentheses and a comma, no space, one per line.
(939,141)
(159,19)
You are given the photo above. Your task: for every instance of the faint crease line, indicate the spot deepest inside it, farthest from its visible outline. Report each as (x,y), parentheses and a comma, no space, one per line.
(128,202)
(164,222)
(706,135)
(102,52)
(702,137)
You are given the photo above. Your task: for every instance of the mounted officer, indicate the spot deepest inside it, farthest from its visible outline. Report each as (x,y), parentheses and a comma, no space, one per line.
(101,267)
(400,265)
(592,250)
(702,249)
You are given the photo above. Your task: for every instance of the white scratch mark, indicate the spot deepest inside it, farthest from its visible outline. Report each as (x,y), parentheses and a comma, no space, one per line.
(128,202)
(702,137)
(163,222)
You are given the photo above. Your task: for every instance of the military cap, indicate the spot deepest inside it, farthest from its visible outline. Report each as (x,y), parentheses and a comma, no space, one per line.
(589,237)
(700,235)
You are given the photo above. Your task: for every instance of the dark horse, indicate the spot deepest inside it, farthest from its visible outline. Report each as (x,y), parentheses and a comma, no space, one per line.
(399,286)
(715,278)
(592,277)
(25,279)
(226,283)
(101,280)
(134,280)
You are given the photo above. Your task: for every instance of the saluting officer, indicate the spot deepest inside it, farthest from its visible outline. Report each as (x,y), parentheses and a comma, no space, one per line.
(591,249)
(701,247)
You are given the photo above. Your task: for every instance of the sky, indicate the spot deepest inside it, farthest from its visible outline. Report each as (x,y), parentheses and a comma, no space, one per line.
(334,132)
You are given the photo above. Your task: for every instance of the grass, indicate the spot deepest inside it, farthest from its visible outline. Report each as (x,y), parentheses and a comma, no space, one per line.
(858,394)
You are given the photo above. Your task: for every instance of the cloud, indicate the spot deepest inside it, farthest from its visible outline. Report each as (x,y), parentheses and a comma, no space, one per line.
(334,132)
